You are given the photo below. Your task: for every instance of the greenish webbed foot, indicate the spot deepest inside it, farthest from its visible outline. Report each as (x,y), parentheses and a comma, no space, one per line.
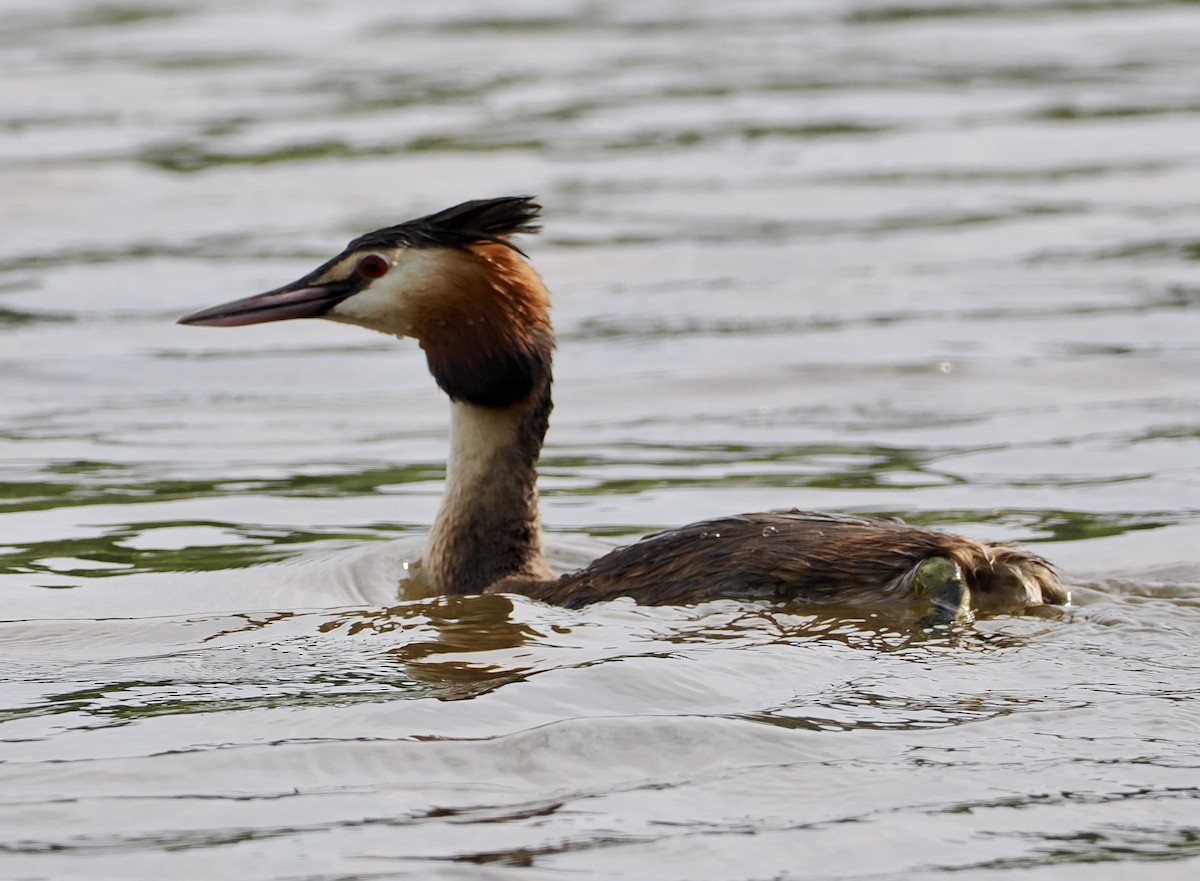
(940,583)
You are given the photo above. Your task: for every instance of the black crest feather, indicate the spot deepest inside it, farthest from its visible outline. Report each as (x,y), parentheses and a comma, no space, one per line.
(480,220)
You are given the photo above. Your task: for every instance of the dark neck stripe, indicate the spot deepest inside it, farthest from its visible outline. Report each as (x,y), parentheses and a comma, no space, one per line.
(496,378)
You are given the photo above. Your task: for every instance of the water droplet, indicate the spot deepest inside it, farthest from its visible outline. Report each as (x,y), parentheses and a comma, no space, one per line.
(769,530)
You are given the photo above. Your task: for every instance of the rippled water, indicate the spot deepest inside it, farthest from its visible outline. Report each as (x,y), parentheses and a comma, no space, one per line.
(939,260)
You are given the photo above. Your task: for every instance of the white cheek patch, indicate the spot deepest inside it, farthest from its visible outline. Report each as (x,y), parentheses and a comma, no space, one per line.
(374,309)
(387,304)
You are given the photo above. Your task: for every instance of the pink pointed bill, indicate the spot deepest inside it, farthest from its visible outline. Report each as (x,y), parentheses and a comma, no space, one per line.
(277,305)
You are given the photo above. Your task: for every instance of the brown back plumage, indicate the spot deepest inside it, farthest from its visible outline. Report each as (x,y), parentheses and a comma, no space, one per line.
(805,556)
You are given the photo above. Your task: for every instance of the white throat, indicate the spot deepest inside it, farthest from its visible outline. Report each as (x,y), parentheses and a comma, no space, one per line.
(488,527)
(479,440)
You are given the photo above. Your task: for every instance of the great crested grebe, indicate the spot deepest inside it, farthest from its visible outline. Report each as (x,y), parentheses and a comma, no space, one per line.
(455,282)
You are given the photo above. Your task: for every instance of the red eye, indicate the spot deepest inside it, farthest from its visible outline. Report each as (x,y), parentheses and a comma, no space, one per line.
(373,266)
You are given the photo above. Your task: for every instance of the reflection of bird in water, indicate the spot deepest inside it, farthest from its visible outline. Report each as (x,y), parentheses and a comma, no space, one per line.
(454,282)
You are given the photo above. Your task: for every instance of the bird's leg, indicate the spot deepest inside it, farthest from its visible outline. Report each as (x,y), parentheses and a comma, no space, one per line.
(940,584)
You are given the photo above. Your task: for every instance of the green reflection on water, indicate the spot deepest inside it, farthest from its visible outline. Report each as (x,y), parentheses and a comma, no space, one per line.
(117,14)
(815,466)
(191,157)
(911,11)
(124,702)
(112,484)
(18,318)
(118,554)
(1074,113)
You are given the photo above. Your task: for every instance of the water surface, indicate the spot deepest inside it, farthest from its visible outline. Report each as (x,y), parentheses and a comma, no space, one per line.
(934,260)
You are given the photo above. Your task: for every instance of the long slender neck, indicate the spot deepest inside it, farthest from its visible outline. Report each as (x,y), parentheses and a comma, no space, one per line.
(488,527)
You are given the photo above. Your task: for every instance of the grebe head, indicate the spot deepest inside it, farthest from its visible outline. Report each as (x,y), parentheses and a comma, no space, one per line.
(451,280)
